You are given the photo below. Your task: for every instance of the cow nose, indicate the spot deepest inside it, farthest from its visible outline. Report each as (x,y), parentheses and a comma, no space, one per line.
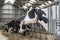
(14,29)
(21,30)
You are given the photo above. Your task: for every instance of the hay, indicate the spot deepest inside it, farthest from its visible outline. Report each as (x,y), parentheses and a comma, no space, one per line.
(16,36)
(2,37)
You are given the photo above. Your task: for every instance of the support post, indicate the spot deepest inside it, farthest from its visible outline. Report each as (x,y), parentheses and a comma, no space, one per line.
(50,16)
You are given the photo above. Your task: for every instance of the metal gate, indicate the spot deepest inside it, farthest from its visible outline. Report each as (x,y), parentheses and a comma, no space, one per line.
(53,25)
(57,29)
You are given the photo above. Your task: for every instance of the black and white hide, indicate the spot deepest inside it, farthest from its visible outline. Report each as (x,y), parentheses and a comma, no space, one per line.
(24,28)
(31,17)
(40,14)
(12,26)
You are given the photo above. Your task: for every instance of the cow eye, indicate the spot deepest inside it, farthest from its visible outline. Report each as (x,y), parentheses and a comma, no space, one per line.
(23,27)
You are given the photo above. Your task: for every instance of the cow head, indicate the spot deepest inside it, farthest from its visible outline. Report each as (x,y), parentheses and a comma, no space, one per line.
(24,28)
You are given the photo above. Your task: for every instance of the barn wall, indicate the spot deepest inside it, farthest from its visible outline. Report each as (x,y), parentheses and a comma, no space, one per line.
(9,12)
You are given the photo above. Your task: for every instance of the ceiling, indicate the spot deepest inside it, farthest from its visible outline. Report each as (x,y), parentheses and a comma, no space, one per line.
(22,2)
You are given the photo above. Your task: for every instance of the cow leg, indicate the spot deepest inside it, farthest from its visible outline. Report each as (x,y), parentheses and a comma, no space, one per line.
(17,28)
(24,33)
(6,28)
(10,29)
(28,29)
(28,32)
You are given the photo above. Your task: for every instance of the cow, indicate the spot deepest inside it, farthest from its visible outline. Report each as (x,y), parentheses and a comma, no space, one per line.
(12,26)
(31,17)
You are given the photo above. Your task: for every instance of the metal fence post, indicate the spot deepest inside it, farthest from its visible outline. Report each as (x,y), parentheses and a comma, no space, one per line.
(50,16)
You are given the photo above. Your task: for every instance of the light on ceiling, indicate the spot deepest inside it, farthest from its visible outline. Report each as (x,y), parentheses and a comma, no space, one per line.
(25,7)
(9,1)
(50,2)
(37,8)
(28,4)
(42,5)
(46,3)
(32,1)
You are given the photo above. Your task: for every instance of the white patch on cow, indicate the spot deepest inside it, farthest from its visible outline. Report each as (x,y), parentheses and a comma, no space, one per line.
(6,27)
(27,28)
(27,20)
(14,29)
(10,29)
(21,30)
(44,25)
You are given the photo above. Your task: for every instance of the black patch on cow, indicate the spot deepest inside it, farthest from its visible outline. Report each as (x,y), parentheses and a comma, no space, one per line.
(45,19)
(11,24)
(31,14)
(39,12)
(28,26)
(23,26)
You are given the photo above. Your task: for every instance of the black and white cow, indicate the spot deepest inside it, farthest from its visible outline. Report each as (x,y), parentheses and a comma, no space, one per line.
(27,21)
(15,25)
(12,26)
(31,17)
(33,14)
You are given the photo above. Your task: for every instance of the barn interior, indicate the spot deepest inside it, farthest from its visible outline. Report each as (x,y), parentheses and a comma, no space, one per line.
(17,9)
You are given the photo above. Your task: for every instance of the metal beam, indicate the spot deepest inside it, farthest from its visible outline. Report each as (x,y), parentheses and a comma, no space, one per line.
(54,3)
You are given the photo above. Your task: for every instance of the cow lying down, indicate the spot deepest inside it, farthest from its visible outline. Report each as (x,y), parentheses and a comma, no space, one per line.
(14,26)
